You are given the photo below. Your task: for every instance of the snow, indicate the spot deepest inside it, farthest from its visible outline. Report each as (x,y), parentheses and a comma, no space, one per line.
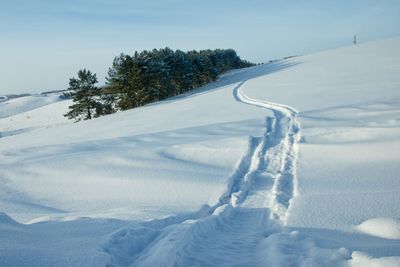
(381,227)
(360,260)
(23,114)
(292,163)
(13,106)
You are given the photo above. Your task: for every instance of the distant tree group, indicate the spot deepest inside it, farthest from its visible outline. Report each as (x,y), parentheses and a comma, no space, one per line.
(147,77)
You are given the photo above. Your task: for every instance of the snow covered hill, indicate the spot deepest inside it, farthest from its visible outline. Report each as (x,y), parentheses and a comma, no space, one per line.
(23,114)
(292,163)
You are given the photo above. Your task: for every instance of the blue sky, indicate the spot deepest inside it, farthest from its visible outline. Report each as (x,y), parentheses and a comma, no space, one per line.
(44,43)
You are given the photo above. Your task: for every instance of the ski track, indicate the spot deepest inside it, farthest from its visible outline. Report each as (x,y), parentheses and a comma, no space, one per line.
(253,208)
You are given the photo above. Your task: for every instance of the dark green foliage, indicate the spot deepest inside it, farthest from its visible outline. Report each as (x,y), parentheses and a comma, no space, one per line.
(88,102)
(151,76)
(147,77)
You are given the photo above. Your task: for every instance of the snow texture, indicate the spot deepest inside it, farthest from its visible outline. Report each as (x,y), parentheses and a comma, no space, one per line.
(291,163)
(381,227)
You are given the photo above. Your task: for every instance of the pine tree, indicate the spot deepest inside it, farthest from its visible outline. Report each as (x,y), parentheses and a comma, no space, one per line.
(84,92)
(153,75)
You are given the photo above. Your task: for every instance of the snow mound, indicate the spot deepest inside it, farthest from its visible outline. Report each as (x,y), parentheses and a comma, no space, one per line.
(5,219)
(381,227)
(127,242)
(361,260)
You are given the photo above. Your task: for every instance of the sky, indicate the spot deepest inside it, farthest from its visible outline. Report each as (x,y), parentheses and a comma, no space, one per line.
(43,43)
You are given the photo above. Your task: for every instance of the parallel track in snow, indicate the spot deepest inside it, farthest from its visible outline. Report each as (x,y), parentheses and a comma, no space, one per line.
(254,206)
(277,156)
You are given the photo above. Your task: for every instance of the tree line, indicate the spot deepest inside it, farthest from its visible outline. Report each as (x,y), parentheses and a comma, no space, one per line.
(146,77)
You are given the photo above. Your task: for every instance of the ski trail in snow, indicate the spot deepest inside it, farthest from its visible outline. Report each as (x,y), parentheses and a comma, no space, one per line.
(230,233)
(277,156)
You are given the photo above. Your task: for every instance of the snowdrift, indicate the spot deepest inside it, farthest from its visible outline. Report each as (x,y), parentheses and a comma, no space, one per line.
(293,163)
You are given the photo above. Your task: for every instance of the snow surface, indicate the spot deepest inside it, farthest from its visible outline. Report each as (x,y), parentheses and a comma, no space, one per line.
(32,112)
(292,163)
(362,260)
(381,227)
(13,106)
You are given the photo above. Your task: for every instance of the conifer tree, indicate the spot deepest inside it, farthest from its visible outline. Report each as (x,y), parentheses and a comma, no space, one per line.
(150,76)
(83,92)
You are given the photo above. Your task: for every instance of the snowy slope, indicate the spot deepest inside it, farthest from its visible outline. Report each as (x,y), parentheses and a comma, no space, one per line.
(24,114)
(293,163)
(13,106)
(349,103)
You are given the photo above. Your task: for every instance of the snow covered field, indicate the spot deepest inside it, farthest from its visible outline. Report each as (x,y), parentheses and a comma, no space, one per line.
(292,163)
(27,113)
